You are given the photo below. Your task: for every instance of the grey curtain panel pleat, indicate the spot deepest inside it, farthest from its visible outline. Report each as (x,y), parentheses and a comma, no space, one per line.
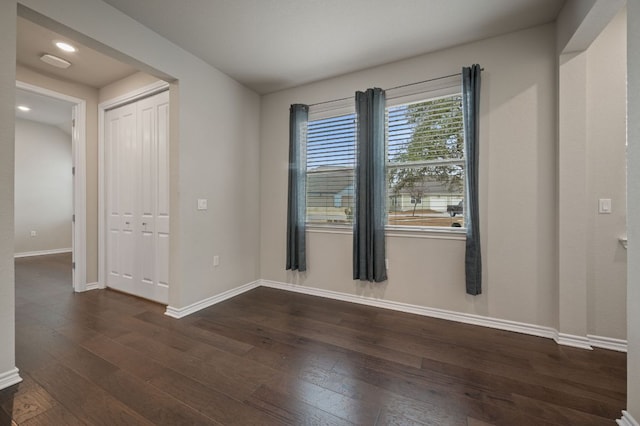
(296,210)
(370,188)
(471,107)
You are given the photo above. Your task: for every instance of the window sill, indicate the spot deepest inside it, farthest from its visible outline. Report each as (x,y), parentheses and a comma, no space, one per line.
(442,233)
(397,231)
(330,229)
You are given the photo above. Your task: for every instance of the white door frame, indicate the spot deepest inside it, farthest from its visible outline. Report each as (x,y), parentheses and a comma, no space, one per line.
(79,158)
(103,107)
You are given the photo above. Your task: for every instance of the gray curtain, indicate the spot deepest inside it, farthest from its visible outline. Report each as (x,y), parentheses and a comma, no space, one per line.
(296,212)
(370,188)
(471,107)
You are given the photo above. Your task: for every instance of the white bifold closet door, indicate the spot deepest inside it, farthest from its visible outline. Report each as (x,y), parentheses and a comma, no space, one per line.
(137,197)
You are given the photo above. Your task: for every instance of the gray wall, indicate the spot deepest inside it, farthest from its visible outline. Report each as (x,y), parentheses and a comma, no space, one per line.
(518,121)
(606,178)
(633,193)
(43,187)
(518,169)
(7,116)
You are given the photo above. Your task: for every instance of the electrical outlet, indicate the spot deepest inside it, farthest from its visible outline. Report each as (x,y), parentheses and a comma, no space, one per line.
(386,264)
(34,234)
(216,260)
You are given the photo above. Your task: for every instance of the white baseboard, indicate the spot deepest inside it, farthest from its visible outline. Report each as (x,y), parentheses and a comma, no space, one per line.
(210,301)
(501,324)
(9,378)
(627,420)
(497,323)
(610,343)
(573,340)
(92,286)
(89,287)
(42,252)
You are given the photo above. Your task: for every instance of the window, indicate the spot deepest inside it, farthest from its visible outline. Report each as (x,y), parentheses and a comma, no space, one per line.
(330,164)
(425,159)
(425,162)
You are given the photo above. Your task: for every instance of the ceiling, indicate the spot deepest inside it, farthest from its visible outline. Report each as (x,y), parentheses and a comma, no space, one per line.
(44,109)
(269,45)
(88,67)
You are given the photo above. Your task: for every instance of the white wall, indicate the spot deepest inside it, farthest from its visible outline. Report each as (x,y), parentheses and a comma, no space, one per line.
(7,116)
(606,76)
(633,203)
(214,152)
(517,187)
(43,187)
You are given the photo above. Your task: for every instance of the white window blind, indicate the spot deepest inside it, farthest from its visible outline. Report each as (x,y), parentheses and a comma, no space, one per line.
(330,164)
(425,154)
(425,158)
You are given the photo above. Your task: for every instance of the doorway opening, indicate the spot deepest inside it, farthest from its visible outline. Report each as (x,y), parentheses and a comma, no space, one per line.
(50,207)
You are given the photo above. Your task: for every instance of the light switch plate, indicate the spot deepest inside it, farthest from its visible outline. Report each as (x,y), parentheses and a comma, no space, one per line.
(202,204)
(604,205)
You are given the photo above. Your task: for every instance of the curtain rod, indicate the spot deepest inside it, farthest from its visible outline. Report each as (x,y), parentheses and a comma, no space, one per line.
(396,87)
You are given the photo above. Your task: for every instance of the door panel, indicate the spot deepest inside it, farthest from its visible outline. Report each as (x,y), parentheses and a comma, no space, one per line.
(137,196)
(113,260)
(147,165)
(163,161)
(147,260)
(120,132)
(163,259)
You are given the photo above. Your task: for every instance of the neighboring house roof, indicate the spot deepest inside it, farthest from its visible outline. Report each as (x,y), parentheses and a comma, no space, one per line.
(337,180)
(329,180)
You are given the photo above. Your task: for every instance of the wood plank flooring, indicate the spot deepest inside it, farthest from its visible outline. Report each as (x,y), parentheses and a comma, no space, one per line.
(269,357)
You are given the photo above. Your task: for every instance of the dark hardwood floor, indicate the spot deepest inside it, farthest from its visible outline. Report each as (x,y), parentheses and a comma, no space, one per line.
(270,357)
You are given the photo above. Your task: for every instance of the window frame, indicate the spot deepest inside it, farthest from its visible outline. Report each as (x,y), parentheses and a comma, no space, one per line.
(437,88)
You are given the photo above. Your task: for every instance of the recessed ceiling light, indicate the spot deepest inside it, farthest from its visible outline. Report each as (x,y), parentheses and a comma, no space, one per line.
(55,61)
(65,46)
(24,108)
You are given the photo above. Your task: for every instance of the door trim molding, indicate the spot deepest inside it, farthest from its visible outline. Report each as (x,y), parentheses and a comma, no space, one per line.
(103,107)
(78,148)
(136,95)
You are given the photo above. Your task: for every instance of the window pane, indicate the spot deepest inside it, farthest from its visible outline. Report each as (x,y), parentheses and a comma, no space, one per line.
(330,164)
(425,153)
